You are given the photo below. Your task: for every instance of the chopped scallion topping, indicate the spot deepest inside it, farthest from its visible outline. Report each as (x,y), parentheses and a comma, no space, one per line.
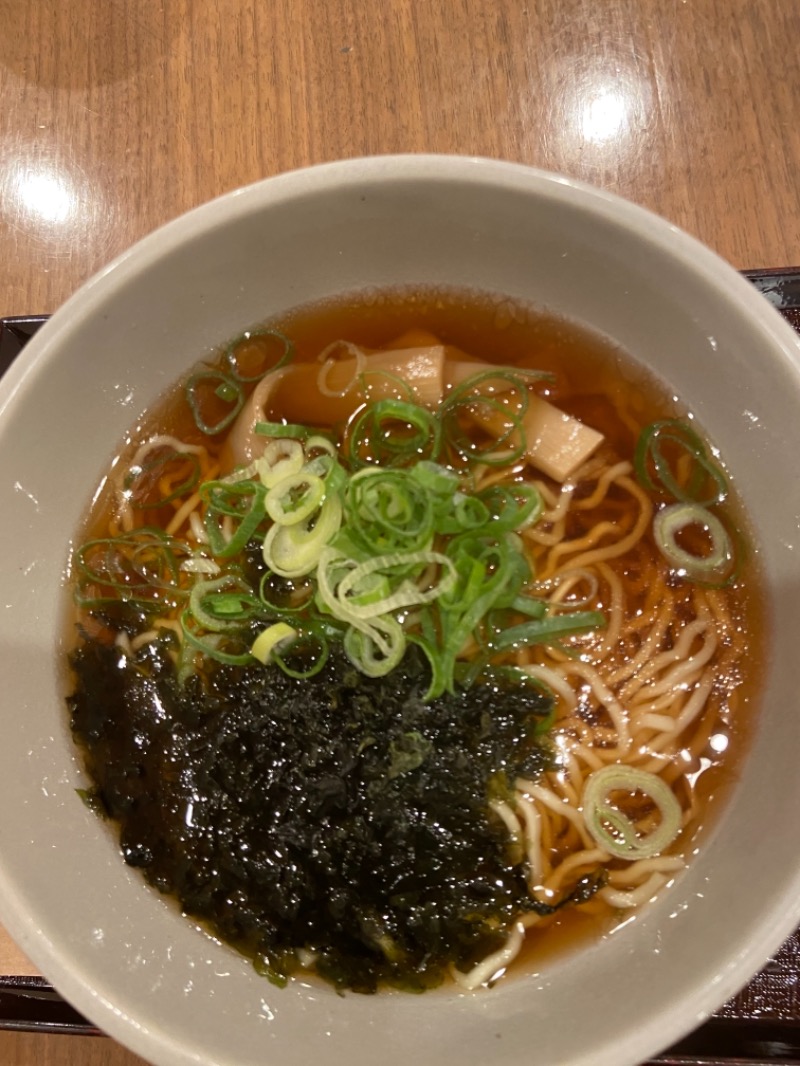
(712,565)
(671,458)
(381,540)
(613,829)
(261,351)
(201,389)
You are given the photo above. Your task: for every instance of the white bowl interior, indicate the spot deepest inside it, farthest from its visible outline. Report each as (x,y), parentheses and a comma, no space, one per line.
(111,945)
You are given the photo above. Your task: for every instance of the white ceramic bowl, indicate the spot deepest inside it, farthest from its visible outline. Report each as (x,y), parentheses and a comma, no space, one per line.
(114,948)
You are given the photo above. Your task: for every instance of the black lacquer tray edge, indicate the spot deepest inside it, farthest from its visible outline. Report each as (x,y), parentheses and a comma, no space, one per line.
(31,1004)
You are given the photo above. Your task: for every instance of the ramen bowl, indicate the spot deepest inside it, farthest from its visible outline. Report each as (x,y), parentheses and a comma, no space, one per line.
(116,949)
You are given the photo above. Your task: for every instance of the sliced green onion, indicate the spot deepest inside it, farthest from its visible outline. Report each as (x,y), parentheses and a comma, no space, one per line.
(530,606)
(232,394)
(483,580)
(436,479)
(612,829)
(295,498)
(408,594)
(393,433)
(713,566)
(199,564)
(257,337)
(327,468)
(547,630)
(705,483)
(530,373)
(463,513)
(377,648)
(329,362)
(223,604)
(297,649)
(404,548)
(265,643)
(280,459)
(319,443)
(294,551)
(512,507)
(500,448)
(213,645)
(388,510)
(141,568)
(509,387)
(441,668)
(286,429)
(375,644)
(486,563)
(478,402)
(243,503)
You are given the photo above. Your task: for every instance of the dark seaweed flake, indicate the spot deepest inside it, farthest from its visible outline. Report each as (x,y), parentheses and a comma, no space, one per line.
(340,814)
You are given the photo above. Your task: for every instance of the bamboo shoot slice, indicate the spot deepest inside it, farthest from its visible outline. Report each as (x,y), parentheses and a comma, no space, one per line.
(556,443)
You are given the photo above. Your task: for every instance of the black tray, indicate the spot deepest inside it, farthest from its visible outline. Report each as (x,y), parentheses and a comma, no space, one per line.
(759,1027)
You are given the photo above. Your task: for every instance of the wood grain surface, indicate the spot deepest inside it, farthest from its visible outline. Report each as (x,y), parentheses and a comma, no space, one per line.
(117,115)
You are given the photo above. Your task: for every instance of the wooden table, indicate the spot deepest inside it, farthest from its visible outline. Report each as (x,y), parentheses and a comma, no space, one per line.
(118,115)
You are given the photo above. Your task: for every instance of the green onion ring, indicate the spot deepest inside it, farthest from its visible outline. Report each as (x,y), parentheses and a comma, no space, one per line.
(626,842)
(670,520)
(208,644)
(294,551)
(281,457)
(264,646)
(512,507)
(286,429)
(279,608)
(422,441)
(224,603)
(302,638)
(501,449)
(407,595)
(241,500)
(278,502)
(140,568)
(509,399)
(704,469)
(547,630)
(388,510)
(230,354)
(384,635)
(237,401)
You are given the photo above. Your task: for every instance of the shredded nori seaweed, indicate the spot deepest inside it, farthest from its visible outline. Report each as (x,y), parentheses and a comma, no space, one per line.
(340,814)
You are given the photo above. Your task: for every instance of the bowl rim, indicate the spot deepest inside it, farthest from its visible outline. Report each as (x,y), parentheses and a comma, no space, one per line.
(402,167)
